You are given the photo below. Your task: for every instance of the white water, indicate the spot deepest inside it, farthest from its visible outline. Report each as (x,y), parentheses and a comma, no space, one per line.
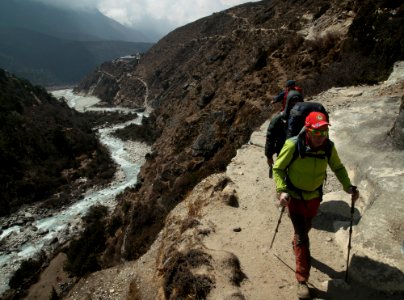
(64,224)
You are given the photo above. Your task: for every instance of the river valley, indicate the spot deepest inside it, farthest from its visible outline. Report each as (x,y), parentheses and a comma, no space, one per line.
(31,232)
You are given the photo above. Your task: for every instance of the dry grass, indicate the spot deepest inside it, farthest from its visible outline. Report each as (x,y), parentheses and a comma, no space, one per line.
(179,280)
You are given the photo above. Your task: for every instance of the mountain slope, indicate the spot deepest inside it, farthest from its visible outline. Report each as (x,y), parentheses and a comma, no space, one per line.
(48,61)
(54,46)
(65,23)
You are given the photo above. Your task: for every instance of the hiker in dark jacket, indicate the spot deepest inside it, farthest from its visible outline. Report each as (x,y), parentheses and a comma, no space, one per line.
(282,96)
(299,173)
(276,132)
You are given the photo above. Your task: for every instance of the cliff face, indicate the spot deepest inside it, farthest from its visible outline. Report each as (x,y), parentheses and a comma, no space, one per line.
(210,84)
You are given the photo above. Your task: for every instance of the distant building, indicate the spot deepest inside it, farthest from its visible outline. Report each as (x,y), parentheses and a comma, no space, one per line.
(136,56)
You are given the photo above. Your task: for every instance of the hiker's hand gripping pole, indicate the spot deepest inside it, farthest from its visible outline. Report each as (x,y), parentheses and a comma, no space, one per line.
(284,199)
(354,197)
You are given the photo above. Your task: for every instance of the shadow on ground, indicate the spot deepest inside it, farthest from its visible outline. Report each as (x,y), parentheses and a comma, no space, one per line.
(335,215)
(340,287)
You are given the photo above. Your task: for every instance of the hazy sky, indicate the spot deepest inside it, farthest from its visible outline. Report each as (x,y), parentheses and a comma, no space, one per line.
(161,16)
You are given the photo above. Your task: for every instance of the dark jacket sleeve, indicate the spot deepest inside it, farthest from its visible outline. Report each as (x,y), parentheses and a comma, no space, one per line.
(275,137)
(279,97)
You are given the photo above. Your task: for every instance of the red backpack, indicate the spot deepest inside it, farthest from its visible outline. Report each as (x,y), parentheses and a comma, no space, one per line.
(295,88)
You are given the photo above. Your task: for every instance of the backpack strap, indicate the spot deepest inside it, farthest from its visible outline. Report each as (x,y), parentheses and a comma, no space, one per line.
(300,150)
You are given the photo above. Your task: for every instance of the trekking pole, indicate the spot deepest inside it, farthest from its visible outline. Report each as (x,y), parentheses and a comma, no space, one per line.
(350,236)
(277,226)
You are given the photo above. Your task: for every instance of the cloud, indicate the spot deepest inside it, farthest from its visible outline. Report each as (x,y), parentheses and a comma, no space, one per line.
(160,16)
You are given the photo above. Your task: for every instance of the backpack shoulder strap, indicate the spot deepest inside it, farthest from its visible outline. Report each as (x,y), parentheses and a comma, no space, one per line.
(300,152)
(328,149)
(296,153)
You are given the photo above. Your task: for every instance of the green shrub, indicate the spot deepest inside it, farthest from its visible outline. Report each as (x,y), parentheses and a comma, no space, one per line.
(27,273)
(82,253)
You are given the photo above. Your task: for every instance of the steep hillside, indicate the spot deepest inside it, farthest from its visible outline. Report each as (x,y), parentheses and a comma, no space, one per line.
(45,148)
(211,82)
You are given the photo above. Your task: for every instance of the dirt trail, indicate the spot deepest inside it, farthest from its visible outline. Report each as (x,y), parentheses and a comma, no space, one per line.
(257,217)
(269,272)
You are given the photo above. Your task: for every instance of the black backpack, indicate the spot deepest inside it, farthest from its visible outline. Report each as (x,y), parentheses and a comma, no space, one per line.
(298,115)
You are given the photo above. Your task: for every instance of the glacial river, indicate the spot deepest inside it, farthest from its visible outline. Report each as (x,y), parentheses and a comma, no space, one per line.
(46,233)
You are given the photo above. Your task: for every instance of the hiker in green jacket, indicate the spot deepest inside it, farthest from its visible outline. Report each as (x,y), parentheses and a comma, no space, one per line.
(299,173)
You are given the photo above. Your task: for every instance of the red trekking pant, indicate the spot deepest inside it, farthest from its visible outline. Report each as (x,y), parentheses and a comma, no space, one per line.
(301,213)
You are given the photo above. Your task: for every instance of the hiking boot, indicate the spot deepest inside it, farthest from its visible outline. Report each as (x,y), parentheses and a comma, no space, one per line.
(303,290)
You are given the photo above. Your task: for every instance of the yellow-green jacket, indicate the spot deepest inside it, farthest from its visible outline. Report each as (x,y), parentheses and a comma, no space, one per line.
(305,175)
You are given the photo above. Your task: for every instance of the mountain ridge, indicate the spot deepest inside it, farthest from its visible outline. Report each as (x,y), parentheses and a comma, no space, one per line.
(49,61)
(52,46)
(65,23)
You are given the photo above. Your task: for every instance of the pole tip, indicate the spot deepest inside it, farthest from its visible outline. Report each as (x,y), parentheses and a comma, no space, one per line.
(338,283)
